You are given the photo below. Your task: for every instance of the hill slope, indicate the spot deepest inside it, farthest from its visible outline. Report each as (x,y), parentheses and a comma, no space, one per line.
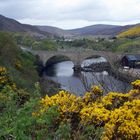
(100,29)
(55,31)
(11,25)
(132,32)
(94,30)
(19,63)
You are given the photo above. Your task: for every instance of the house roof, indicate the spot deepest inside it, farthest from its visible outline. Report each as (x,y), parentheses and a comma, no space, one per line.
(133,57)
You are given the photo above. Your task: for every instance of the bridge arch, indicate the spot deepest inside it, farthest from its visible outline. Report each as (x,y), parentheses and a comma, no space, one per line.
(75,56)
(56,59)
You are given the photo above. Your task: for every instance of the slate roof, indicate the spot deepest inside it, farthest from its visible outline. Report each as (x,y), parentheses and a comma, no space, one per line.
(133,57)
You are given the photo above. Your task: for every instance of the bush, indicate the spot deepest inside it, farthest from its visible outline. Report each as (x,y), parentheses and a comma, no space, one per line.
(84,117)
(19,64)
(66,116)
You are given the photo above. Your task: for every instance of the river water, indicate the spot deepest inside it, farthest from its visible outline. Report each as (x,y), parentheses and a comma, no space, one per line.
(79,83)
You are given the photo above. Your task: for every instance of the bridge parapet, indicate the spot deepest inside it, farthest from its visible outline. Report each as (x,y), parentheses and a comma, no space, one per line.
(77,57)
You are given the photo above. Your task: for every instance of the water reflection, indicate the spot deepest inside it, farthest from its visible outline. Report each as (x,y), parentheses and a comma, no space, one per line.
(61,69)
(78,83)
(88,62)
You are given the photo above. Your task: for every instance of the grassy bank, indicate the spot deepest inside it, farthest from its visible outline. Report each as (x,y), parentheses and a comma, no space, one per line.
(20,64)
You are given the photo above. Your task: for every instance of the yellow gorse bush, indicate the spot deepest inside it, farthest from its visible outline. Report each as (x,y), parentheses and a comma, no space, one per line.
(124,122)
(3,70)
(136,84)
(67,104)
(118,113)
(3,75)
(132,32)
(114,99)
(94,114)
(17,64)
(5,79)
(96,90)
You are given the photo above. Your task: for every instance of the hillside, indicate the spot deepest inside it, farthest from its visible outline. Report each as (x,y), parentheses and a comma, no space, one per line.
(20,64)
(132,32)
(100,29)
(94,30)
(55,31)
(11,25)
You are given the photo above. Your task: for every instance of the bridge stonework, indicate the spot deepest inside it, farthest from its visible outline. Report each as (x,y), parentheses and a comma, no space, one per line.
(77,57)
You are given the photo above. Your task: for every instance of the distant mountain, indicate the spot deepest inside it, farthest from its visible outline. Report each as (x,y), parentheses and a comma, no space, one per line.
(7,24)
(55,31)
(94,30)
(11,25)
(101,29)
(131,32)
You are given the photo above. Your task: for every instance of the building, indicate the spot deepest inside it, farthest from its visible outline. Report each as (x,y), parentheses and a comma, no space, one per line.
(132,61)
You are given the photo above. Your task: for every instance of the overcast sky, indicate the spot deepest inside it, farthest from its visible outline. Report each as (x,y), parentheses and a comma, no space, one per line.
(70,14)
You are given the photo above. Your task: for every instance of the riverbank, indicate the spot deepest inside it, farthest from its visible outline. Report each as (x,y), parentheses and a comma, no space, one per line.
(48,86)
(97,67)
(119,72)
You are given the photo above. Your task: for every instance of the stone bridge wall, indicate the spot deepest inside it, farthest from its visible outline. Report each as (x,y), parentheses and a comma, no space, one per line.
(76,56)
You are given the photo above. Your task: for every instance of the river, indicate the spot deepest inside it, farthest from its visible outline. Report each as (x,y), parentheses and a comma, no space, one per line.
(79,83)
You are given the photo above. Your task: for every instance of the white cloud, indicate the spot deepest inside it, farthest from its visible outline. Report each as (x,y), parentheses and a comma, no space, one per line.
(72,13)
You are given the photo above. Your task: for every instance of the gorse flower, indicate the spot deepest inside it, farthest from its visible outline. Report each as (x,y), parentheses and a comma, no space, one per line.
(68,104)
(124,122)
(5,79)
(17,64)
(94,114)
(96,90)
(114,100)
(118,113)
(136,84)
(3,71)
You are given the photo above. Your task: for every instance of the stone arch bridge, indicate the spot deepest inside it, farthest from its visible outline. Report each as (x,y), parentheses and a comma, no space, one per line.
(77,57)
